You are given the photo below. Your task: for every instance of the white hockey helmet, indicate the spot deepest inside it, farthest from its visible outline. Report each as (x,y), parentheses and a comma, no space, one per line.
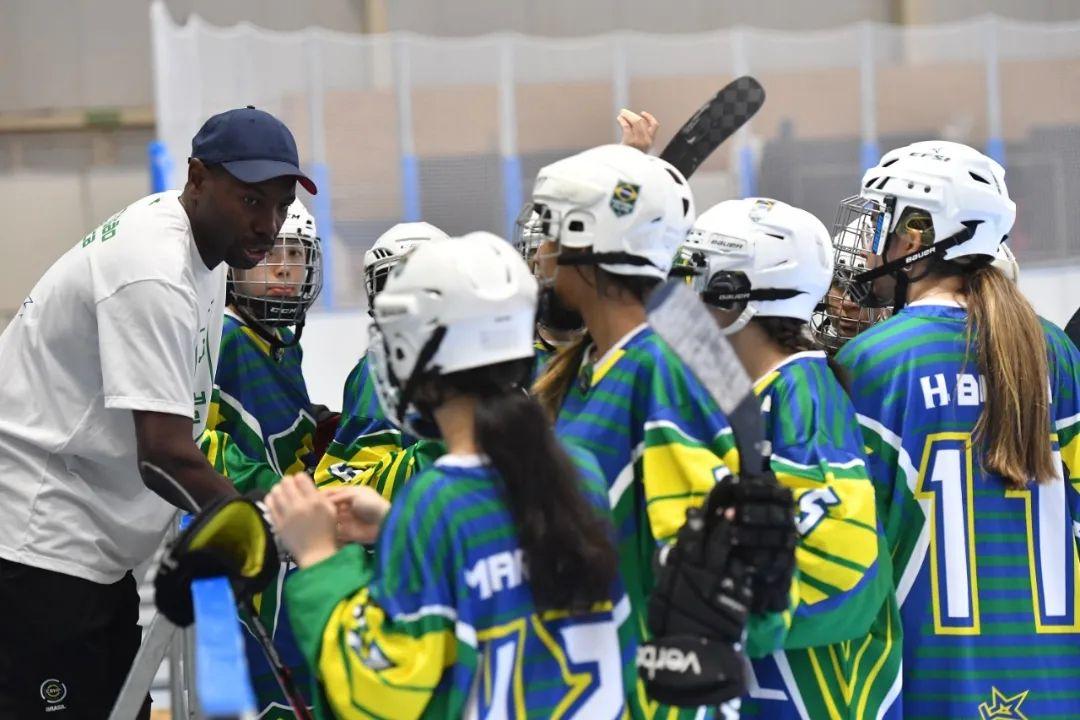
(629,210)
(453,305)
(258,299)
(390,248)
(761,255)
(1006,262)
(961,190)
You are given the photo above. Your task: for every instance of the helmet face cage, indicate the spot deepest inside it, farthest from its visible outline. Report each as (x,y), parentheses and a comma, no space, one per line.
(536,224)
(375,275)
(850,306)
(861,230)
(387,391)
(390,389)
(280,290)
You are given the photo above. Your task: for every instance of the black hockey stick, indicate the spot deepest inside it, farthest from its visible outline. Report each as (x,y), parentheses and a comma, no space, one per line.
(166,486)
(676,313)
(713,123)
(681,320)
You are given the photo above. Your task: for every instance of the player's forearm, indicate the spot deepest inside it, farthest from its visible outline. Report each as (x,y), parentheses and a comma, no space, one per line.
(164,440)
(193,473)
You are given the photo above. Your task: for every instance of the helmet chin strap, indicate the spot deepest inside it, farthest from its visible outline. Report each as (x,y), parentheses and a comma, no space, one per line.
(408,389)
(553,315)
(742,321)
(267,333)
(900,268)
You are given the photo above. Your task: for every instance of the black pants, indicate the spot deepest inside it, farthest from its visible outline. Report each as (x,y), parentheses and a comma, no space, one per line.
(66,644)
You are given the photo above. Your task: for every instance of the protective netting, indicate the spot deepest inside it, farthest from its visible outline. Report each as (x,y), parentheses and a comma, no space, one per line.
(453,130)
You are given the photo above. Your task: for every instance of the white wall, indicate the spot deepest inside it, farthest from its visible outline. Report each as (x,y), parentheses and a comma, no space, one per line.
(1053,290)
(333,343)
(49,213)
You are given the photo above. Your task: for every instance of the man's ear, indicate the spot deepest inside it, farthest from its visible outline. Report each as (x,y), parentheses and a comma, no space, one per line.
(198,176)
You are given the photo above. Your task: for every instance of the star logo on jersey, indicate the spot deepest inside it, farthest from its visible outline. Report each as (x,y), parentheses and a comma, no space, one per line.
(1003,708)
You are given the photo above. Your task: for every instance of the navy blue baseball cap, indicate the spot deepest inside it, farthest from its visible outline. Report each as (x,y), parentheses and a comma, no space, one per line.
(252,145)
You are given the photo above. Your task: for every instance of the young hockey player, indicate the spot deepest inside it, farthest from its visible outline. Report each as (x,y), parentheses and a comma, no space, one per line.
(260,399)
(557,326)
(970,409)
(365,438)
(839,317)
(762,267)
(613,219)
(490,593)
(260,422)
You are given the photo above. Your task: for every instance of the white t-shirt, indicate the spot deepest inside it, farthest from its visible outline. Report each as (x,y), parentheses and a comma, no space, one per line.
(128,319)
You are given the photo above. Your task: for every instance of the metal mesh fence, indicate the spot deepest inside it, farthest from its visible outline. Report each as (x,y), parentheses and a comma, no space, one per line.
(402,127)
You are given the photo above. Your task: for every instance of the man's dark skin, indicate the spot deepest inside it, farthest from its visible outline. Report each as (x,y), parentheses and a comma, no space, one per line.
(232,222)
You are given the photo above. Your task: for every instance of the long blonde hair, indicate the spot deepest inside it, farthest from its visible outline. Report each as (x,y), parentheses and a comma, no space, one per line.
(1014,425)
(551,387)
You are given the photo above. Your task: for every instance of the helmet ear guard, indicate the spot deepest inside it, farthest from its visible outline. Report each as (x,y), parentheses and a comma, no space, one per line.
(727,290)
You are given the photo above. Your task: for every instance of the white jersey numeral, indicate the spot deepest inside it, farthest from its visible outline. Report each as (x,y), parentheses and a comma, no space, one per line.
(946,480)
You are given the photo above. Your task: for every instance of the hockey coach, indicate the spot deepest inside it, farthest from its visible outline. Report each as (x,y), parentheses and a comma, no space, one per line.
(110,362)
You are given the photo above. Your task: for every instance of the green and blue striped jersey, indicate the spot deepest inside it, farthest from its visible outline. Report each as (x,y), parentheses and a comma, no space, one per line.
(260,399)
(986,576)
(259,427)
(662,443)
(364,439)
(843,570)
(440,621)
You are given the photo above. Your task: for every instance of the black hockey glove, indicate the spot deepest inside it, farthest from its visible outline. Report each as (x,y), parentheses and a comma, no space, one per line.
(230,537)
(763,535)
(697,615)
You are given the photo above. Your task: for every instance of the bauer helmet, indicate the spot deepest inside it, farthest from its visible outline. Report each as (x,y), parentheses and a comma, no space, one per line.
(449,306)
(955,194)
(389,249)
(760,256)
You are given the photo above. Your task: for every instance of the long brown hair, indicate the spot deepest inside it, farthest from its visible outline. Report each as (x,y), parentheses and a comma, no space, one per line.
(551,387)
(1014,425)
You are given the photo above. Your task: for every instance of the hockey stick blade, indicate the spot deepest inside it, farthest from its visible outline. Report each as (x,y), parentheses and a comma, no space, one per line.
(713,123)
(677,315)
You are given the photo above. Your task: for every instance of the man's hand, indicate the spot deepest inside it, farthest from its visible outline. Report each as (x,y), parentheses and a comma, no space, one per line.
(638,131)
(304,519)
